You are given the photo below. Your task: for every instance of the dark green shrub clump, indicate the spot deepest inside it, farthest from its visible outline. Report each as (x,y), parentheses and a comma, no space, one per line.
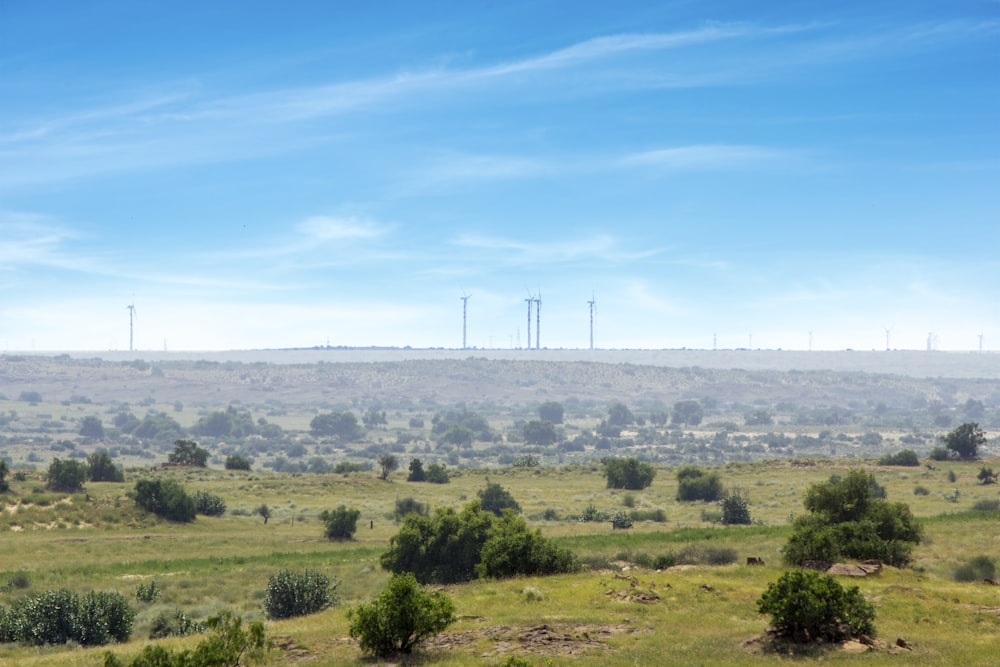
(208,504)
(147,592)
(494,498)
(58,616)
(806,605)
(402,616)
(629,473)
(298,593)
(979,568)
(735,509)
(987,505)
(174,624)
(236,462)
(230,644)
(341,523)
(165,498)
(696,484)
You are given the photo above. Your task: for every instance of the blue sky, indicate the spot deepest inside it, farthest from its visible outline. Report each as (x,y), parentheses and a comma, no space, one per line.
(263,175)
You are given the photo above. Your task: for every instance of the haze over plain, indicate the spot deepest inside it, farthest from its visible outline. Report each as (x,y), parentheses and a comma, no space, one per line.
(715,174)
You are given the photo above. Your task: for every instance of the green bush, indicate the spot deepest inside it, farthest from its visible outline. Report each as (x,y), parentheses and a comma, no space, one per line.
(59,616)
(663,561)
(298,593)
(806,605)
(341,523)
(101,468)
(147,592)
(695,484)
(188,453)
(735,508)
(494,498)
(657,515)
(174,624)
(919,490)
(165,498)
(907,457)
(986,505)
(235,462)
(230,644)
(208,504)
(590,513)
(629,473)
(977,569)
(437,473)
(511,549)
(402,616)
(408,505)
(66,476)
(621,520)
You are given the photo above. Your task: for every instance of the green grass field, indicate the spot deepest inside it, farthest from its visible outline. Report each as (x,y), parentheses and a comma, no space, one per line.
(692,614)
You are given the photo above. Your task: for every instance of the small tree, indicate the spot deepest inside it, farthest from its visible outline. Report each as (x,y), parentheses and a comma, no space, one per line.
(417,473)
(188,453)
(621,520)
(209,504)
(539,432)
(620,415)
(341,523)
(165,498)
(263,512)
(806,605)
(688,412)
(629,473)
(292,594)
(437,473)
(4,470)
(964,442)
(695,484)
(986,476)
(101,468)
(66,476)
(388,463)
(494,498)
(551,411)
(91,427)
(402,616)
(374,418)
(736,508)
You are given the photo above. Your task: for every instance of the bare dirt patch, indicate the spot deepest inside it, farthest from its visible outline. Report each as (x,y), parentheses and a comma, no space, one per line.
(547,639)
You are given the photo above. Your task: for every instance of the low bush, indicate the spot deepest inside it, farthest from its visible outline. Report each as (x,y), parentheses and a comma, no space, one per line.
(658,516)
(919,490)
(590,513)
(208,504)
(341,523)
(987,505)
(977,569)
(236,462)
(174,624)
(907,457)
(147,592)
(408,505)
(230,644)
(735,508)
(806,605)
(298,593)
(696,484)
(165,498)
(621,520)
(59,616)
(663,561)
(403,615)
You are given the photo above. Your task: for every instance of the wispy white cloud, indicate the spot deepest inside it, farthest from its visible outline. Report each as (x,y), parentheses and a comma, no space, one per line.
(707,157)
(603,247)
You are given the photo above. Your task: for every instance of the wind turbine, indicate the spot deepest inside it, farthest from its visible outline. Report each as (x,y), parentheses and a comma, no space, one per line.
(888,330)
(538,322)
(529,301)
(131,318)
(465,302)
(592,303)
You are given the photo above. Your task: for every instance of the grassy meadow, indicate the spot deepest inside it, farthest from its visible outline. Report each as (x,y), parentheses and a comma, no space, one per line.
(688,614)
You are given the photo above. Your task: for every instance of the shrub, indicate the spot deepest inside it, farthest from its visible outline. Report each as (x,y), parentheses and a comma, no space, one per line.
(987,505)
(298,593)
(663,561)
(346,467)
(977,569)
(621,520)
(806,605)
(100,468)
(919,490)
(147,592)
(66,476)
(628,500)
(695,484)
(406,506)
(735,508)
(235,462)
(165,498)
(174,624)
(907,457)
(658,515)
(341,523)
(494,498)
(208,504)
(590,513)
(986,476)
(417,473)
(19,581)
(511,549)
(230,644)
(403,615)
(437,473)
(188,453)
(59,616)
(964,441)
(630,474)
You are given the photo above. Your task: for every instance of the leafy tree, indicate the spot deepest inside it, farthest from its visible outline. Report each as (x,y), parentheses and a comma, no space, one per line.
(341,425)
(759,417)
(462,427)
(736,508)
(806,605)
(228,423)
(237,462)
(91,427)
(188,453)
(512,550)
(494,498)
(687,412)
(620,415)
(540,432)
(974,409)
(165,498)
(66,476)
(907,457)
(403,616)
(341,523)
(417,473)
(4,471)
(159,427)
(551,411)
(263,512)
(629,473)
(374,418)
(437,473)
(964,441)
(388,463)
(850,518)
(32,397)
(291,594)
(100,468)
(408,505)
(695,484)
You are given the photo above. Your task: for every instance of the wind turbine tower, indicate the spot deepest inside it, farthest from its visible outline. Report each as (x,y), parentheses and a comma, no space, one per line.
(887,332)
(465,304)
(529,300)
(131,319)
(538,321)
(592,303)
(980,342)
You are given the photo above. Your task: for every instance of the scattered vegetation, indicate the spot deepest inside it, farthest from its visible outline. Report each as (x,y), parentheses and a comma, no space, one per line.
(298,593)
(230,645)
(59,616)
(404,615)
